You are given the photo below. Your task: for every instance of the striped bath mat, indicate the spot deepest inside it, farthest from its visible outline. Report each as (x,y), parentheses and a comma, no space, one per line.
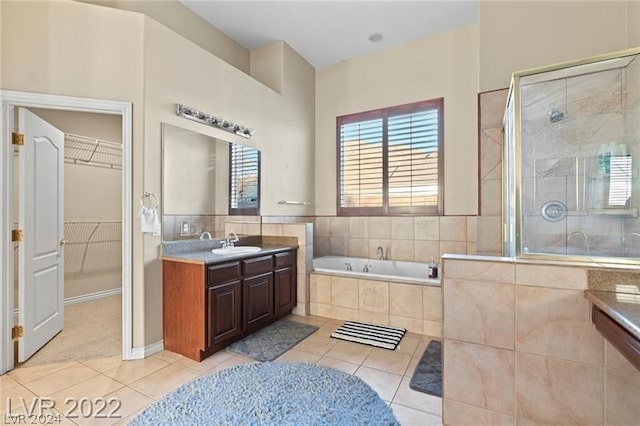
(369,334)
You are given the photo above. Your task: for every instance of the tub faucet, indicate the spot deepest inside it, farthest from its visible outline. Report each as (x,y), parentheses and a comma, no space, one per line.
(366,267)
(206,235)
(348,265)
(380,252)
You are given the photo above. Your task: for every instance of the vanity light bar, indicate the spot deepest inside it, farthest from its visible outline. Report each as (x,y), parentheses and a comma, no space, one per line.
(210,120)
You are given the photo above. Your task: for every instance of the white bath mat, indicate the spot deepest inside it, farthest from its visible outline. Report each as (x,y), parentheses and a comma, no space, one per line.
(379,336)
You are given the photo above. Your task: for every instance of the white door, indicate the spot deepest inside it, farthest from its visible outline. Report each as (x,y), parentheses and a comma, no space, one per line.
(41,204)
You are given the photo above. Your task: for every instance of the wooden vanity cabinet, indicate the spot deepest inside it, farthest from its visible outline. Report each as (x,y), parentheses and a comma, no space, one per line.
(207,307)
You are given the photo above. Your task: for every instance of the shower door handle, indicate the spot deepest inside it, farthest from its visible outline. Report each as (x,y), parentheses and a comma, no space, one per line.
(63,242)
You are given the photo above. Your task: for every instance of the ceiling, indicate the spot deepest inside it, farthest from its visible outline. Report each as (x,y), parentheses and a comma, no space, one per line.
(328,32)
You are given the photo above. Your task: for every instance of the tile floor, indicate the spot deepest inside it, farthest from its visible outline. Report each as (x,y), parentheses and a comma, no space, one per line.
(138,383)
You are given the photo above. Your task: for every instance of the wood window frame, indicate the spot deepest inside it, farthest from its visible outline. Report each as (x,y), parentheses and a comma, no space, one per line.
(384,113)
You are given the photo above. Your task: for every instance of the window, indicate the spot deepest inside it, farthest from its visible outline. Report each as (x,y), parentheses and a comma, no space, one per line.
(390,160)
(244,180)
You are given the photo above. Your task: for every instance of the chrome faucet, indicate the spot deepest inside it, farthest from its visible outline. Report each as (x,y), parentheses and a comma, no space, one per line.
(206,235)
(366,267)
(228,243)
(380,252)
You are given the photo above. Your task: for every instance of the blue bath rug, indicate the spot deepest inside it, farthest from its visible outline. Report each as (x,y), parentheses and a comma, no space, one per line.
(427,377)
(272,393)
(272,341)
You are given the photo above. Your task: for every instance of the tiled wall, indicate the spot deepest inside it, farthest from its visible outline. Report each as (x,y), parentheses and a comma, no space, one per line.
(519,347)
(491,106)
(172,225)
(418,308)
(402,238)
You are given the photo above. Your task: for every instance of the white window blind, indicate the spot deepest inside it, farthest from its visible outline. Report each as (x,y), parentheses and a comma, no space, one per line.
(244,179)
(390,160)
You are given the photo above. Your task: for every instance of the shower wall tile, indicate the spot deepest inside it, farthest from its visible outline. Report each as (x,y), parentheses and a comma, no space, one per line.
(359,227)
(491,108)
(380,227)
(564,277)
(551,390)
(539,99)
(339,227)
(556,323)
(424,251)
(491,204)
(452,247)
(491,153)
(479,376)
(489,240)
(453,228)
(595,93)
(480,312)
(322,226)
(427,228)
(402,228)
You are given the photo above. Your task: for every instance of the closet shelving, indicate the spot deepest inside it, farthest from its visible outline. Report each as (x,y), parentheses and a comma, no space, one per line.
(92,247)
(90,151)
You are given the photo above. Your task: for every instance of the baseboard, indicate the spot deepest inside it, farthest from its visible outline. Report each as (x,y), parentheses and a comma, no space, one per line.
(147,351)
(86,297)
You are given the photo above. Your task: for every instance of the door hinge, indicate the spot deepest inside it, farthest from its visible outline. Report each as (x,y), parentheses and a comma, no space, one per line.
(17,138)
(17,235)
(17,332)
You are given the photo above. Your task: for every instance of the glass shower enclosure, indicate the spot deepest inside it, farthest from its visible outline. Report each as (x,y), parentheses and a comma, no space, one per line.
(571,160)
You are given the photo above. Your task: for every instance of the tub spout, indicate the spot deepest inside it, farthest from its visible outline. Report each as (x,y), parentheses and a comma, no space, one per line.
(380,252)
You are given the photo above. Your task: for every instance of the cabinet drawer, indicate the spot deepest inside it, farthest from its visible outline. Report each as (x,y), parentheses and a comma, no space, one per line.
(226,272)
(285,259)
(257,265)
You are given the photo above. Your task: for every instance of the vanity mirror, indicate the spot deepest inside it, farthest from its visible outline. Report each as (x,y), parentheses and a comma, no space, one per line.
(205,183)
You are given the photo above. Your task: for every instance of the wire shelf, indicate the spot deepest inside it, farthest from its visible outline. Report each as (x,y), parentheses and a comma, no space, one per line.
(92,247)
(90,151)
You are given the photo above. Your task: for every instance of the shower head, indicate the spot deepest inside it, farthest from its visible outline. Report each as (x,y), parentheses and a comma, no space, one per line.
(555,115)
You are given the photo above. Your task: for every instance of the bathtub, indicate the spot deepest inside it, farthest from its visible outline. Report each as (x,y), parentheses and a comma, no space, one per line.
(383,270)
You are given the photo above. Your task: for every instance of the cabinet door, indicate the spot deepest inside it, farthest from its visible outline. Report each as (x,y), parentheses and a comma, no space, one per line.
(258,300)
(224,311)
(285,289)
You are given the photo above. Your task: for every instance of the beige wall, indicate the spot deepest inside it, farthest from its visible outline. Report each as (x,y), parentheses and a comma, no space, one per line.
(174,15)
(267,65)
(633,24)
(179,71)
(72,49)
(526,34)
(444,65)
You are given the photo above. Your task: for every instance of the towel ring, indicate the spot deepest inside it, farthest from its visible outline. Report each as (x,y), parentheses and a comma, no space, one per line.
(149,196)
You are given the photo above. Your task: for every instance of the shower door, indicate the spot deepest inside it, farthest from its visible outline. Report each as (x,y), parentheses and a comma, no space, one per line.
(575,150)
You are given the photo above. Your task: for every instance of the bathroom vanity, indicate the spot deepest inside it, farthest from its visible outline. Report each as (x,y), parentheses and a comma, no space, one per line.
(210,301)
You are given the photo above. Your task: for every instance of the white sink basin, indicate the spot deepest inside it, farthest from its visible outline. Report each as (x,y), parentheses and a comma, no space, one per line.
(232,251)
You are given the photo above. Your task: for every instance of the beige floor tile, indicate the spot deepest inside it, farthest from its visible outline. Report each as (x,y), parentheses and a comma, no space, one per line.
(408,343)
(13,398)
(165,380)
(351,352)
(316,344)
(293,355)
(6,382)
(389,361)
(26,374)
(132,401)
(168,356)
(311,319)
(415,359)
(409,417)
(231,362)
(61,379)
(420,401)
(382,382)
(95,387)
(130,371)
(206,364)
(103,364)
(345,366)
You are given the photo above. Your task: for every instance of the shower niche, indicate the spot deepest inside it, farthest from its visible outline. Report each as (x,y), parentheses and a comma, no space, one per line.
(572,160)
